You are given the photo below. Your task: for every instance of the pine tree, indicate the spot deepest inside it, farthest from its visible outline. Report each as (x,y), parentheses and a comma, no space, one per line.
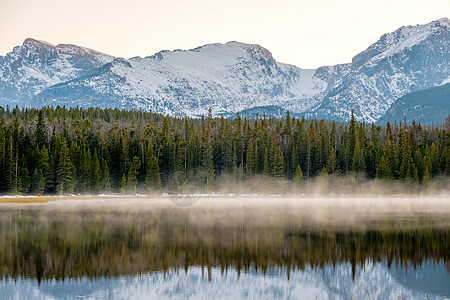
(106,179)
(406,159)
(434,156)
(38,182)
(298,176)
(352,133)
(153,179)
(50,179)
(40,135)
(418,161)
(65,173)
(133,172)
(83,163)
(11,162)
(358,158)
(344,154)
(276,160)
(180,158)
(323,172)
(426,176)
(414,174)
(123,184)
(24,176)
(384,169)
(266,163)
(95,174)
(389,151)
(250,161)
(332,163)
(207,162)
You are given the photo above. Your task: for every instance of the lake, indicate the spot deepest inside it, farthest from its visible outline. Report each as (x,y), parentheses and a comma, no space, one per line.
(226,247)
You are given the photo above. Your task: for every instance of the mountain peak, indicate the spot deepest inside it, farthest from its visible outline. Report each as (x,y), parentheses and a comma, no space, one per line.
(404,37)
(253,49)
(31,41)
(444,22)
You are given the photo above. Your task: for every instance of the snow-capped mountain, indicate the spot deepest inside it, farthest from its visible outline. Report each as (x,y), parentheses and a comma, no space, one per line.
(36,65)
(410,59)
(230,78)
(227,78)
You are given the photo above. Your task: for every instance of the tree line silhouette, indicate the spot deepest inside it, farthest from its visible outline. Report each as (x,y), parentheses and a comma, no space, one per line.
(61,244)
(73,150)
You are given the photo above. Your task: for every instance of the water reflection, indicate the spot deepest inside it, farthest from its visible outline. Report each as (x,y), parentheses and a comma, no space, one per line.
(312,283)
(287,249)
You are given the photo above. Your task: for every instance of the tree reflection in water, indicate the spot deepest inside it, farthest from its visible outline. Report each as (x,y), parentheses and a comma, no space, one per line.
(43,243)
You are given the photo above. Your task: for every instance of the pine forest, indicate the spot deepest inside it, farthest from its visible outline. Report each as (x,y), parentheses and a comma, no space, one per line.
(72,150)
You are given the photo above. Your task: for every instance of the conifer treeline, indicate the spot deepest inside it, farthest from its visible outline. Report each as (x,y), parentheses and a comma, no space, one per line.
(59,150)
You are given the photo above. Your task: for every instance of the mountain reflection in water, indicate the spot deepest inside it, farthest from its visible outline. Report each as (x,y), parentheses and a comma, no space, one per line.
(48,243)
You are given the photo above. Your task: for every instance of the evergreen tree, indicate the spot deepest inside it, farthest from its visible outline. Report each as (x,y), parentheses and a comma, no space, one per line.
(180,158)
(266,163)
(426,176)
(352,133)
(358,158)
(65,173)
(95,174)
(133,172)
(332,164)
(24,176)
(123,184)
(50,178)
(153,179)
(11,163)
(40,135)
(345,155)
(384,169)
(406,159)
(298,177)
(106,180)
(434,156)
(276,161)
(250,161)
(207,163)
(38,182)
(418,162)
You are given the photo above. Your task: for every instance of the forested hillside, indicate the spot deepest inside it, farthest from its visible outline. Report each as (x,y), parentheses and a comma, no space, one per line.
(60,151)
(430,105)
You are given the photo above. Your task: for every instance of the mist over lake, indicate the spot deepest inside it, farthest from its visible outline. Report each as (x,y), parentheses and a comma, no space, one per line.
(226,247)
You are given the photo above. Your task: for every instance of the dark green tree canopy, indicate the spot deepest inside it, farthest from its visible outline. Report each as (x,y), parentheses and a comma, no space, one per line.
(74,150)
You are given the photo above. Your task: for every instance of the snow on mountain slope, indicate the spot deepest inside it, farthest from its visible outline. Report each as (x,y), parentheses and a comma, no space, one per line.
(230,78)
(410,59)
(37,65)
(226,77)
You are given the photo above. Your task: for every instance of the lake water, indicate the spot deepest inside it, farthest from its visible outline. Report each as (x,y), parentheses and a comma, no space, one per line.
(226,248)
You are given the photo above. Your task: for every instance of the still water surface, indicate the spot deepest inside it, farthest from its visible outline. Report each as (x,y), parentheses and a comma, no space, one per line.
(273,250)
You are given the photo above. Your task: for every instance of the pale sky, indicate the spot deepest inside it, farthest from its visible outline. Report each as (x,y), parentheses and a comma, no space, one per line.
(308,34)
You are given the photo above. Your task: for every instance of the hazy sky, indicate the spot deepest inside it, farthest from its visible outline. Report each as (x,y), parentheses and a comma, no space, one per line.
(305,33)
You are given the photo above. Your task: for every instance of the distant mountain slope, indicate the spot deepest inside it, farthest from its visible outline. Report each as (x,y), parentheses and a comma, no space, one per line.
(410,59)
(36,65)
(226,77)
(230,78)
(430,105)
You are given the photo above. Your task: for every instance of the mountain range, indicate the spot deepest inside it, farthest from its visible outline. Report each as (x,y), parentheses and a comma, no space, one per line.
(231,78)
